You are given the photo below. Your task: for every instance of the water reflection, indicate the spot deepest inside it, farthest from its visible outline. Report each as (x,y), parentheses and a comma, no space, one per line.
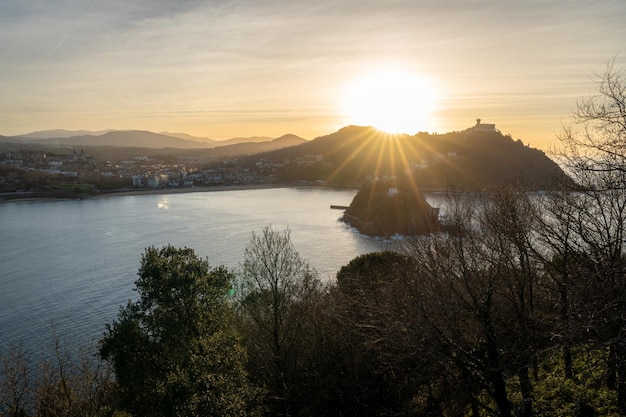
(164,203)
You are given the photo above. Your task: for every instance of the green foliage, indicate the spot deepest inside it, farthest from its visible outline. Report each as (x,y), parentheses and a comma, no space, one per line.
(76,188)
(583,395)
(174,351)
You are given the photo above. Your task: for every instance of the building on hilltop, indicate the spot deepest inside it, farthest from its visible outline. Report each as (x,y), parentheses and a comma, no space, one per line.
(484,126)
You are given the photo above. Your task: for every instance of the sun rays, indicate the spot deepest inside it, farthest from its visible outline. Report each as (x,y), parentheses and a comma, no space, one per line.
(381,156)
(391,100)
(395,103)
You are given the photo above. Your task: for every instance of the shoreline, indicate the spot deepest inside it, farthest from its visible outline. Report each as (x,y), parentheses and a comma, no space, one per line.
(49,196)
(186,190)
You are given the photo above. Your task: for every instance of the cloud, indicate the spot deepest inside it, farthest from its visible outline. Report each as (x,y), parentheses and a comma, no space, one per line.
(217,57)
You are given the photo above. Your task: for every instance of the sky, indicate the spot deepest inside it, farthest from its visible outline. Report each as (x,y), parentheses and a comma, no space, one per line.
(236,68)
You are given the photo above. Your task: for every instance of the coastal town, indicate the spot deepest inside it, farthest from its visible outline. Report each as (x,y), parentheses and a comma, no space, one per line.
(72,169)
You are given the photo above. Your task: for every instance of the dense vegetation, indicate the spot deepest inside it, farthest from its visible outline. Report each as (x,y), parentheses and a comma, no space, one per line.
(518,309)
(387,208)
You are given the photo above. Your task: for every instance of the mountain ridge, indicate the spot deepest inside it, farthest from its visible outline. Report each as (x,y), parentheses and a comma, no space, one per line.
(61,133)
(470,159)
(131,138)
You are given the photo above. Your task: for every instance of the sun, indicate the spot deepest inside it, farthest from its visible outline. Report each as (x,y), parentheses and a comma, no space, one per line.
(390,100)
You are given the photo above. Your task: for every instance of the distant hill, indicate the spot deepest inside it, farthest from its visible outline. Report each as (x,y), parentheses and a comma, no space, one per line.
(185,136)
(134,138)
(214,143)
(252,139)
(254,148)
(471,159)
(142,139)
(61,133)
(289,139)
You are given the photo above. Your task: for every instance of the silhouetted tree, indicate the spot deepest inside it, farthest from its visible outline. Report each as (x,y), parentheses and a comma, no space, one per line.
(73,382)
(391,363)
(590,237)
(278,291)
(480,297)
(70,381)
(15,383)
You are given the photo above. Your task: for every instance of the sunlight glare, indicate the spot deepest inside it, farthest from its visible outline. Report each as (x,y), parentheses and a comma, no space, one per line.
(391,101)
(163,203)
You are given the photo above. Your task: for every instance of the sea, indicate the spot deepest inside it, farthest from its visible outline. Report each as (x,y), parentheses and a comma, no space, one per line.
(67,266)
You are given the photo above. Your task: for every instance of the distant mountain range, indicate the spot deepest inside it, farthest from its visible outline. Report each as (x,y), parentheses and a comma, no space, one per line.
(61,133)
(130,138)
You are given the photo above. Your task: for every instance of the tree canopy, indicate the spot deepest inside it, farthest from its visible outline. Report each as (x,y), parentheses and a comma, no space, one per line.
(174,350)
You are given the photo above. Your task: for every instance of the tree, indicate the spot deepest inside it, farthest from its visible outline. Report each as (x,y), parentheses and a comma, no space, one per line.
(481,299)
(382,347)
(509,223)
(590,266)
(73,382)
(594,143)
(69,381)
(278,291)
(15,383)
(459,300)
(174,350)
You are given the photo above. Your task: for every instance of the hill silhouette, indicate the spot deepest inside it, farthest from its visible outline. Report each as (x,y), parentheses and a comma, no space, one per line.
(386,208)
(134,138)
(473,159)
(61,133)
(251,148)
(143,139)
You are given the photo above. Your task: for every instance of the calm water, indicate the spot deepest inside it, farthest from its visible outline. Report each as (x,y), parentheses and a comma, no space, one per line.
(67,266)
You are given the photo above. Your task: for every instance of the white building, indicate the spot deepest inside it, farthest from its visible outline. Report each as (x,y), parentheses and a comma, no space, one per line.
(485,126)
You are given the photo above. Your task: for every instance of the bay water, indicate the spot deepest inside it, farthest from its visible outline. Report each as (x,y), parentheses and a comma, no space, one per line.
(67,266)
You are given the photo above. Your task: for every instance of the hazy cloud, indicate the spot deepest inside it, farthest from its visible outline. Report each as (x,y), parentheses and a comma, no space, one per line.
(142,57)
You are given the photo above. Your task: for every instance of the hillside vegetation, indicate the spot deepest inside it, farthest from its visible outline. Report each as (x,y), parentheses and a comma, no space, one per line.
(387,208)
(472,159)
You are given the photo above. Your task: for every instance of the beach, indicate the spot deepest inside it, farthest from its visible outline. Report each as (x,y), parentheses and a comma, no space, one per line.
(64,195)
